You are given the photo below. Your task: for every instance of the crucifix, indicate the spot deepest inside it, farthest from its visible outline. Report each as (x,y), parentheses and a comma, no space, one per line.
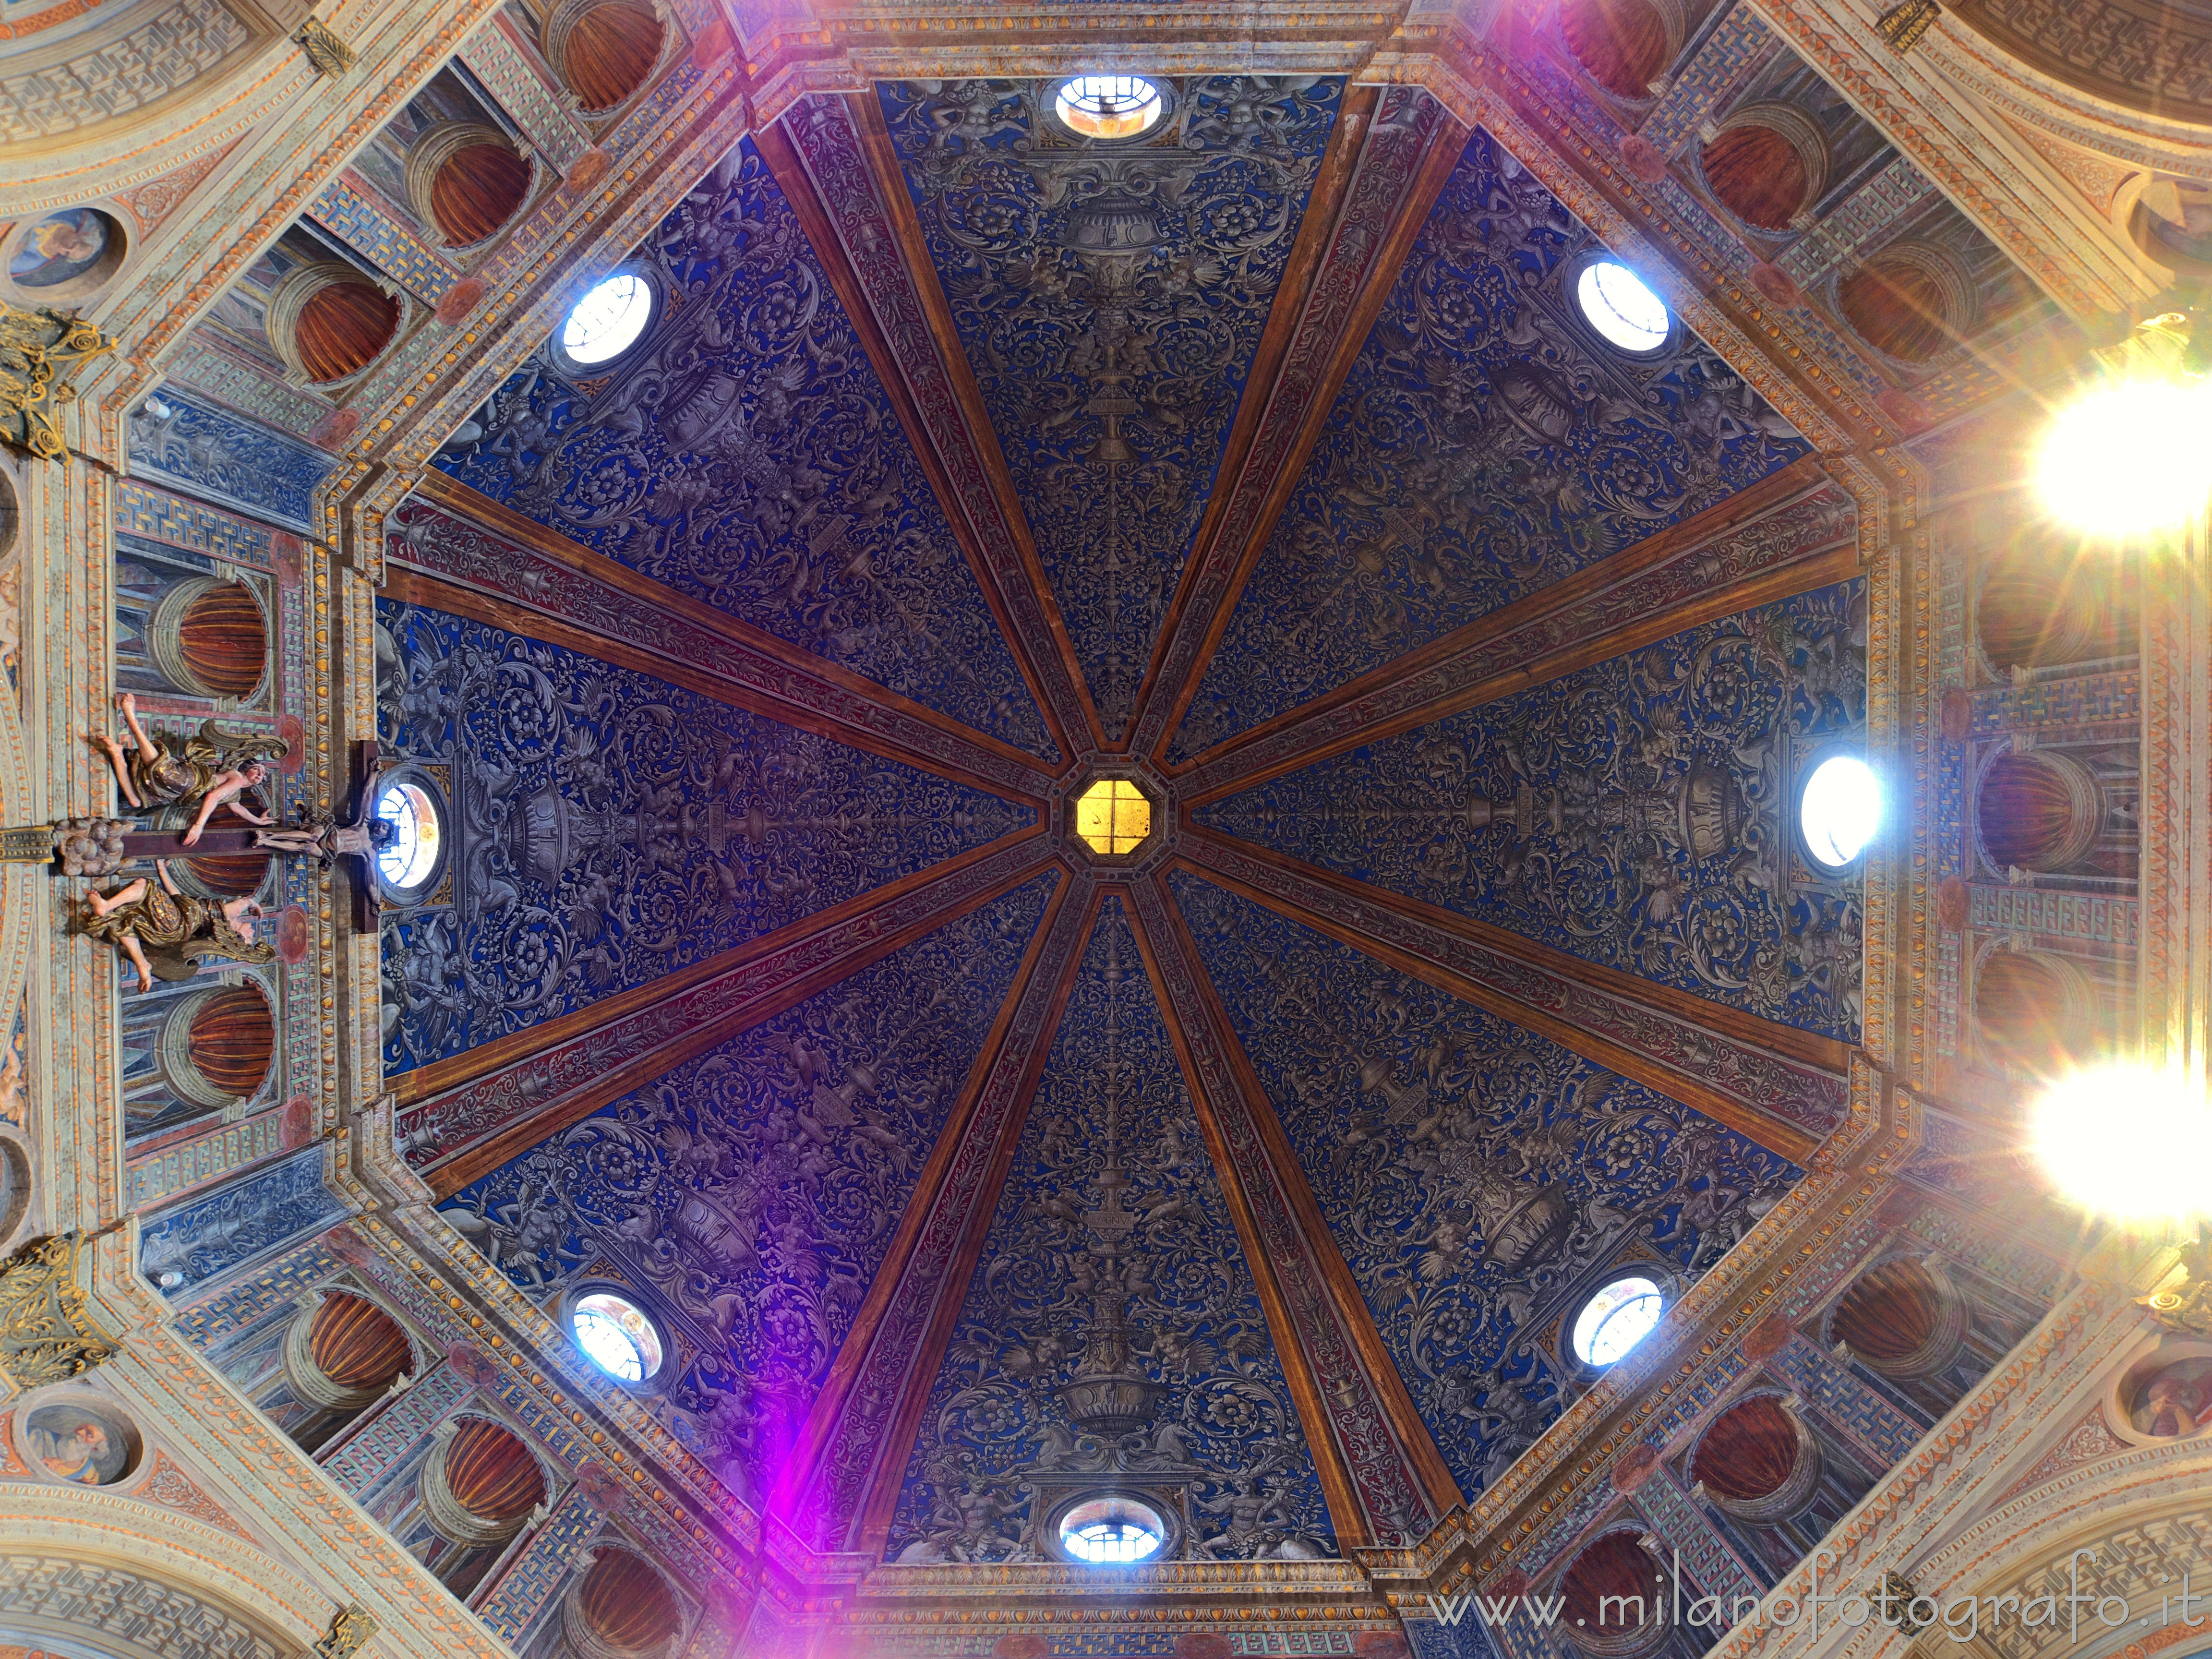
(103,846)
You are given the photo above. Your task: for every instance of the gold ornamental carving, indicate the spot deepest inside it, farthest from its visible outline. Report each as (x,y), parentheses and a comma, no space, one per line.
(330,54)
(39,350)
(2182,1301)
(350,1631)
(46,1335)
(1901,27)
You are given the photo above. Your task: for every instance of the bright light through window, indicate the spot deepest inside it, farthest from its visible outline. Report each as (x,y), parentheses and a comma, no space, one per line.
(1616,1318)
(615,1336)
(2127,1142)
(607,321)
(1110,105)
(1840,809)
(2130,459)
(1111,1531)
(1620,307)
(1112,816)
(407,858)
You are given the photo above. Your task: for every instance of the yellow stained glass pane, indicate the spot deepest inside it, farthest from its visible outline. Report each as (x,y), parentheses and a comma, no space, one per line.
(1112,816)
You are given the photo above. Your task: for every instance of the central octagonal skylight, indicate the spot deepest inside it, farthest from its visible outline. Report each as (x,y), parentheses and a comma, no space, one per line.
(1113,816)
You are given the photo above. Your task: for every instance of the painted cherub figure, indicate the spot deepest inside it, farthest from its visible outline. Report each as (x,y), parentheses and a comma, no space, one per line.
(181,931)
(215,768)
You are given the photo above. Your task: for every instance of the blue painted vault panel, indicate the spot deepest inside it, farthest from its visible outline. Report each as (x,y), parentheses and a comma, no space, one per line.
(1487,443)
(610,829)
(999,1445)
(1478,1179)
(1660,811)
(747,454)
(749,1196)
(1110,298)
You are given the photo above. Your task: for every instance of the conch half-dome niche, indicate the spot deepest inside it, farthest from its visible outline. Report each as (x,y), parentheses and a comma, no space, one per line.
(481,1482)
(2040,810)
(217,1046)
(605,50)
(1758,1461)
(209,638)
(468,180)
(1910,301)
(1626,45)
(623,1610)
(1767,165)
(1612,1575)
(1902,1317)
(328,322)
(343,1352)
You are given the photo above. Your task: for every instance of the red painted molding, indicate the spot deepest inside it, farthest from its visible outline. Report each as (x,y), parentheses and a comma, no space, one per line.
(1688,1049)
(1790,534)
(1395,1484)
(835,162)
(788,1500)
(1411,145)
(465,1116)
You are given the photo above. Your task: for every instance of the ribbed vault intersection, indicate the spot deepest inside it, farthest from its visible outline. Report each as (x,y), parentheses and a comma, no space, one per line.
(1255,1168)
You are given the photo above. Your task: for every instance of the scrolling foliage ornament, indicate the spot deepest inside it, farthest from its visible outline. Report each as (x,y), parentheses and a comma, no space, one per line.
(1110,298)
(46,1335)
(39,350)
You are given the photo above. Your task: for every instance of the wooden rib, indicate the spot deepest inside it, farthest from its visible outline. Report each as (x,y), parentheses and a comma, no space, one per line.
(1346,1514)
(749,984)
(1169,685)
(1426,1463)
(791,685)
(1792,1042)
(1235,765)
(411,586)
(1287,316)
(440,1075)
(930,365)
(1786,1139)
(1048,665)
(845,1370)
(872,1519)
(1800,478)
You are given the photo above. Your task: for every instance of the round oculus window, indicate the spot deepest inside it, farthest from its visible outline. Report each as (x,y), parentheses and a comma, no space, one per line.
(606,322)
(1112,1531)
(1110,105)
(1839,809)
(1616,1318)
(408,856)
(1620,305)
(616,1336)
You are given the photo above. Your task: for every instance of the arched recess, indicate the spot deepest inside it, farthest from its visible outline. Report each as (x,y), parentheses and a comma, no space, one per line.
(157,1585)
(622,1607)
(2126,1509)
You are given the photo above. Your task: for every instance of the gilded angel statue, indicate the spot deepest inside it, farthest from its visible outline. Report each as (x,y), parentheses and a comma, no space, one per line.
(215,768)
(182,932)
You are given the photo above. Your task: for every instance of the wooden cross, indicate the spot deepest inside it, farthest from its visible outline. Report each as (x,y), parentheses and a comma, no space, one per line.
(38,843)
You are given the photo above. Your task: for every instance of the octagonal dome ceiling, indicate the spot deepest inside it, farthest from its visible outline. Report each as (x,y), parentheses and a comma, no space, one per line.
(1255,1163)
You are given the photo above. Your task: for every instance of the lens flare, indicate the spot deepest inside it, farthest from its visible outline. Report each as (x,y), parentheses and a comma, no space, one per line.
(2129,460)
(2127,1142)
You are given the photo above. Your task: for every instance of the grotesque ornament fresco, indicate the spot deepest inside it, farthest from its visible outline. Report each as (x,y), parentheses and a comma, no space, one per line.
(1639,813)
(1110,296)
(1111,1338)
(746,453)
(1486,443)
(612,828)
(752,1193)
(1478,1179)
